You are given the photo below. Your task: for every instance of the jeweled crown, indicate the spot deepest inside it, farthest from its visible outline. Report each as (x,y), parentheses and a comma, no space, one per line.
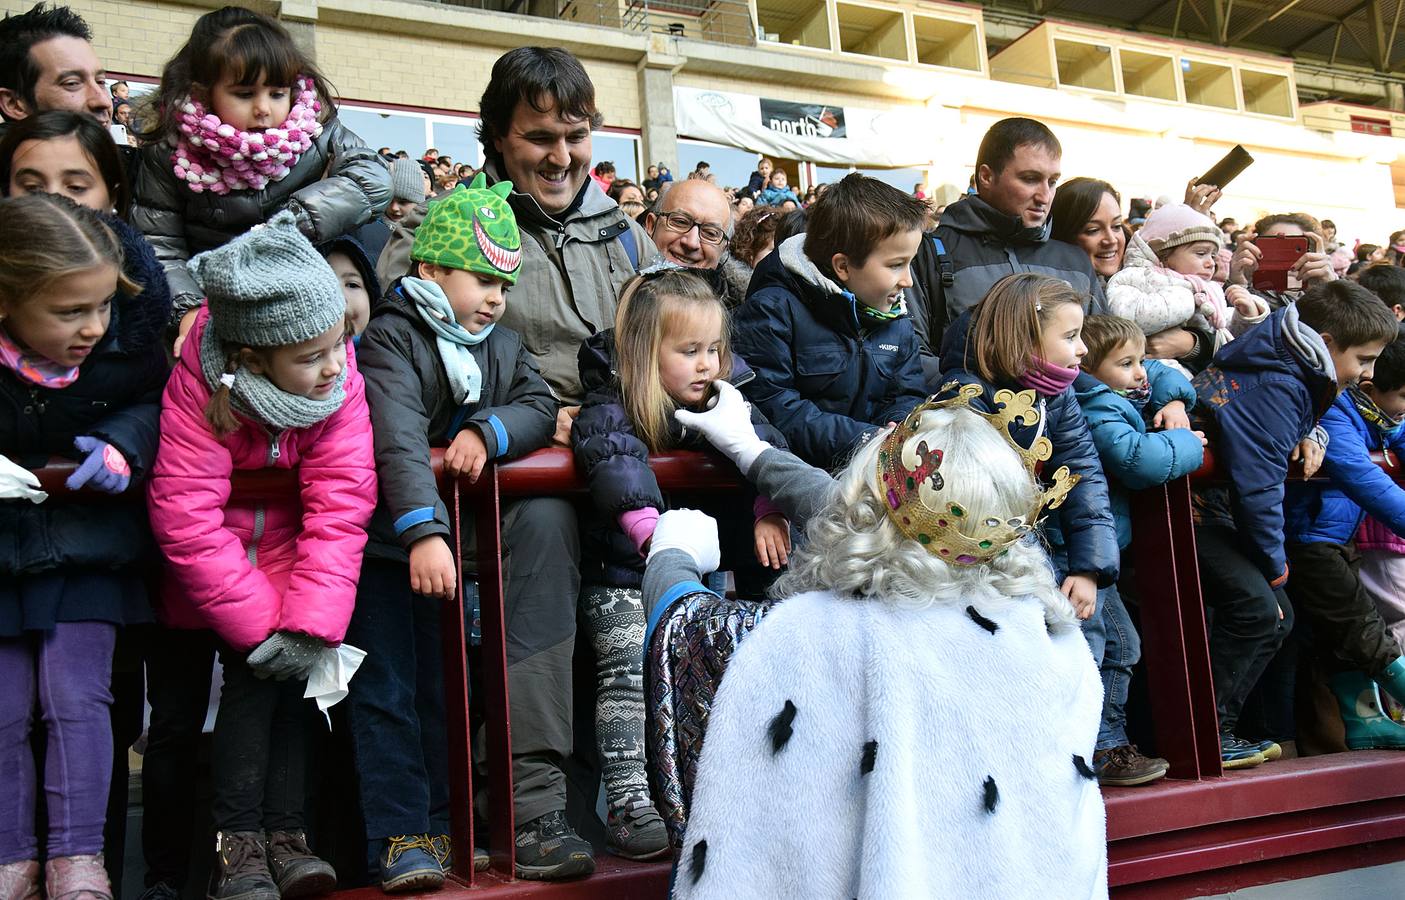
(912,484)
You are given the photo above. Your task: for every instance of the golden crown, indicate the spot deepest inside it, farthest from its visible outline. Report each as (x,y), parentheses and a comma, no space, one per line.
(912,483)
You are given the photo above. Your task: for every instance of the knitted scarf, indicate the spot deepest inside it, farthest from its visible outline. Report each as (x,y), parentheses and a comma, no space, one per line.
(32,367)
(453,340)
(259,398)
(1369,411)
(216,157)
(876,318)
(1137,396)
(1047,379)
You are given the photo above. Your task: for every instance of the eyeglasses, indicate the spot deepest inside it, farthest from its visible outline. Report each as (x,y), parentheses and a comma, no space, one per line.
(682,223)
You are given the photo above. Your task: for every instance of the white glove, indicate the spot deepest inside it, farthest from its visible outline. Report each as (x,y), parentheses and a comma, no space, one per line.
(693,532)
(727,426)
(18,483)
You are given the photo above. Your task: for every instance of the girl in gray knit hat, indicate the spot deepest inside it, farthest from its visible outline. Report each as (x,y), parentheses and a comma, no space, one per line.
(267,380)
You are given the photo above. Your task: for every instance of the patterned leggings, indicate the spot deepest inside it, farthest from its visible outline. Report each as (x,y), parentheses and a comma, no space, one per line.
(615,621)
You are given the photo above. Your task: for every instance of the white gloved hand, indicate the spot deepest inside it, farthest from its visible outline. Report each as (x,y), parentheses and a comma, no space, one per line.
(18,483)
(727,426)
(693,532)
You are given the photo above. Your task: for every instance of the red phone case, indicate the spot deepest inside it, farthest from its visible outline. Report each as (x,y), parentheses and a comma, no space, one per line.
(1279,254)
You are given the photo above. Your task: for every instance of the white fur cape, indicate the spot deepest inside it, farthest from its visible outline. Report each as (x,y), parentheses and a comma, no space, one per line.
(859,750)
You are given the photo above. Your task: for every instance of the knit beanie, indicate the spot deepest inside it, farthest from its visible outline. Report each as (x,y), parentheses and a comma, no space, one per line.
(472,228)
(269,287)
(1175,225)
(406,181)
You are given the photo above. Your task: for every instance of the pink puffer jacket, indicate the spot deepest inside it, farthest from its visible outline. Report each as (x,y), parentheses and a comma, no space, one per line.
(1375,536)
(243,568)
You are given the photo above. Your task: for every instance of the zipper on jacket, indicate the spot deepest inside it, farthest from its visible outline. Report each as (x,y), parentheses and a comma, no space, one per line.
(274,453)
(253,549)
(560,236)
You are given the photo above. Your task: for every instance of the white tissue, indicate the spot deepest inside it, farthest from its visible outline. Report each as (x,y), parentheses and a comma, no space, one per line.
(18,483)
(330,679)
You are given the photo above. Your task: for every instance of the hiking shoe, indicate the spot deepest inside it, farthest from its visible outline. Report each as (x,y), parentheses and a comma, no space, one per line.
(408,864)
(444,852)
(1125,766)
(296,869)
(20,880)
(548,850)
(241,868)
(636,832)
(1237,754)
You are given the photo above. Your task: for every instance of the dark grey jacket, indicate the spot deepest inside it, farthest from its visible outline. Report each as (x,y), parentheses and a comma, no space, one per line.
(338,184)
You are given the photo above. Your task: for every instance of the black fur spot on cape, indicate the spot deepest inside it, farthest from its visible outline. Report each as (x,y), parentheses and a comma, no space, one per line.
(981,620)
(780,728)
(870,756)
(1083,768)
(992,794)
(699,860)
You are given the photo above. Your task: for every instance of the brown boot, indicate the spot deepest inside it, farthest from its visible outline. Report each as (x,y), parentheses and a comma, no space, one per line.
(241,868)
(77,878)
(297,870)
(1125,766)
(20,880)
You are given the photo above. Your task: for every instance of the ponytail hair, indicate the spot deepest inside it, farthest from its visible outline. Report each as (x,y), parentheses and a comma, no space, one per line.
(1007,325)
(219,412)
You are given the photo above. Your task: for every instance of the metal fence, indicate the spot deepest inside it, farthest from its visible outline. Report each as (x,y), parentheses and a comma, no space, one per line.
(720,21)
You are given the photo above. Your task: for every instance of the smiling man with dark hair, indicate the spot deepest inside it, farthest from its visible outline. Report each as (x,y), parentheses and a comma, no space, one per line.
(47,62)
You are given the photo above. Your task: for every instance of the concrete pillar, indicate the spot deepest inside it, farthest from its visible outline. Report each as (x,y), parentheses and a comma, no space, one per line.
(658,132)
(300,18)
(1395,95)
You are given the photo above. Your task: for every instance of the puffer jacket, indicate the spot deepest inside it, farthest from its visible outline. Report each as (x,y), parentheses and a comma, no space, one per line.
(1085,517)
(412,409)
(1132,457)
(615,461)
(247,568)
(774,196)
(1373,536)
(1315,513)
(1262,395)
(338,184)
(573,267)
(823,379)
(983,245)
(116,398)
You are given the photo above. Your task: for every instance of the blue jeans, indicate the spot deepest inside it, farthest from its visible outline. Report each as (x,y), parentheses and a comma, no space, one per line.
(1116,649)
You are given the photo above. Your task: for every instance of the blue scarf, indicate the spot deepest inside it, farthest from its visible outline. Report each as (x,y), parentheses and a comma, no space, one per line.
(453,340)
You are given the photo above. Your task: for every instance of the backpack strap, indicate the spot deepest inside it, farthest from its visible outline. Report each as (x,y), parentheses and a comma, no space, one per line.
(630,243)
(944,263)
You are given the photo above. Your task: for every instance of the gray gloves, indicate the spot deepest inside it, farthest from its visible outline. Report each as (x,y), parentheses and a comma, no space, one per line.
(284,655)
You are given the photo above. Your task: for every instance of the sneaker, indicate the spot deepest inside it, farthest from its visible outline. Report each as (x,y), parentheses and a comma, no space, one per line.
(1237,754)
(1269,749)
(444,852)
(20,880)
(408,864)
(77,878)
(636,832)
(1125,766)
(241,868)
(548,850)
(161,890)
(296,869)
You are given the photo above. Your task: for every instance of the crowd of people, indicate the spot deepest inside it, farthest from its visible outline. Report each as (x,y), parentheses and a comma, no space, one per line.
(940,414)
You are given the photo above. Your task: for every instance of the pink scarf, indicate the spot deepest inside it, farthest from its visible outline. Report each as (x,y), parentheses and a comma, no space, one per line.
(32,367)
(219,158)
(1047,379)
(1209,298)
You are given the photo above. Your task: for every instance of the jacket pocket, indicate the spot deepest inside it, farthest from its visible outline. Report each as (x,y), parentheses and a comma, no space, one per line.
(820,372)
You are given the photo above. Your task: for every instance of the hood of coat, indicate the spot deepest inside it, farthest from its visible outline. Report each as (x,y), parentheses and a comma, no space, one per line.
(1140,255)
(791,270)
(1286,346)
(976,217)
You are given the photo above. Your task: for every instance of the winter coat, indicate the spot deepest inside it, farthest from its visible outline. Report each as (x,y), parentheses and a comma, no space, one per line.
(116,398)
(573,268)
(755,184)
(338,184)
(615,461)
(841,757)
(822,378)
(1315,513)
(1133,458)
(774,196)
(412,409)
(1261,396)
(1085,517)
(247,568)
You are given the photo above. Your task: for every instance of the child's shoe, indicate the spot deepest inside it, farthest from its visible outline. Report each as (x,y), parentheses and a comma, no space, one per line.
(408,864)
(1125,766)
(548,850)
(20,880)
(1237,754)
(1367,726)
(636,831)
(77,878)
(444,852)
(1269,749)
(241,868)
(296,869)
(1392,680)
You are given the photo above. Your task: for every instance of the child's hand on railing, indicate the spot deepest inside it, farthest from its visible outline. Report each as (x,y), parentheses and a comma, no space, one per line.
(432,570)
(1081,591)
(103,469)
(727,426)
(772,534)
(467,455)
(1311,453)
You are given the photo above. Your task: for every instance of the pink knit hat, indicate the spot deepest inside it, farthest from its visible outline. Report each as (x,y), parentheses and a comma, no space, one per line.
(1175,225)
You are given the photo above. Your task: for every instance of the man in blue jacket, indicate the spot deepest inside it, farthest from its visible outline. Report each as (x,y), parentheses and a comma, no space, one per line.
(1263,395)
(1321,519)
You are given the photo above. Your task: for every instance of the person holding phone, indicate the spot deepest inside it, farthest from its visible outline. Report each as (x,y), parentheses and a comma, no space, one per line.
(1311,268)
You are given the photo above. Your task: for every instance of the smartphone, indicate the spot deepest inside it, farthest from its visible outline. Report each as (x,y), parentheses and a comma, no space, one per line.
(1279,256)
(119,134)
(1228,168)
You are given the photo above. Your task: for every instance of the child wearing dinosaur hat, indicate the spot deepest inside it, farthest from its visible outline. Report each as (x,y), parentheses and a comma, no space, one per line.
(440,371)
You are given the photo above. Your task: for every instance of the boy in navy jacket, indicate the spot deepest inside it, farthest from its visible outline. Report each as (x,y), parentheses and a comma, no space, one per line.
(823,324)
(1321,521)
(1259,399)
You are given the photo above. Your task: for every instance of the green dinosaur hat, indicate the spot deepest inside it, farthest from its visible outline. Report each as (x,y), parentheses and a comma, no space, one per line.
(472,228)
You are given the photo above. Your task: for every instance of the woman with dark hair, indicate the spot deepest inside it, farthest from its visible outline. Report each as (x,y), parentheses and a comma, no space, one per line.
(1087,213)
(628,195)
(68,153)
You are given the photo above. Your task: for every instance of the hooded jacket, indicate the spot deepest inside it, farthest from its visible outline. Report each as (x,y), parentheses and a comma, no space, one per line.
(412,409)
(822,378)
(1315,513)
(984,245)
(247,568)
(1261,396)
(615,461)
(1085,517)
(338,184)
(573,267)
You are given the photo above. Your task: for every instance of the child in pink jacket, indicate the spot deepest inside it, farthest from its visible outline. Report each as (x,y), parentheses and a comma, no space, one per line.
(266,379)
